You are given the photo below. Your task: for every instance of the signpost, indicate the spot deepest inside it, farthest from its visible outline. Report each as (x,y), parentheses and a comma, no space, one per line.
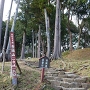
(13,59)
(44,62)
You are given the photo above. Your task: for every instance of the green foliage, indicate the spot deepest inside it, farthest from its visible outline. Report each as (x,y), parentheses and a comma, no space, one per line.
(31,15)
(73,28)
(28,55)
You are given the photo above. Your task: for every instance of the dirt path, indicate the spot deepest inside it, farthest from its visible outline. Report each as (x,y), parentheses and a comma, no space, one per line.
(24,65)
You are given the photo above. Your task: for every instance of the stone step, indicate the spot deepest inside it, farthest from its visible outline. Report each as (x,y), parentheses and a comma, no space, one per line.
(68,80)
(79,80)
(51,73)
(70,85)
(85,85)
(62,80)
(62,76)
(49,77)
(62,88)
(71,75)
(58,79)
(73,89)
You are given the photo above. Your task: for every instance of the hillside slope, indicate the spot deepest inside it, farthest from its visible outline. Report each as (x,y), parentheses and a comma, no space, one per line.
(79,54)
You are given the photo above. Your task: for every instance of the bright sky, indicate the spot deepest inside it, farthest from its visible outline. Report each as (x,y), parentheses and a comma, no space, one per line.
(7,8)
(74,19)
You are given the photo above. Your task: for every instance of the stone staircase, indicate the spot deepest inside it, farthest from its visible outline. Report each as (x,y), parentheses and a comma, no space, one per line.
(61,80)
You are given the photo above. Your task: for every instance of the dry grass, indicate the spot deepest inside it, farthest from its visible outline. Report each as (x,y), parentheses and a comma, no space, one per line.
(77,61)
(28,80)
(79,54)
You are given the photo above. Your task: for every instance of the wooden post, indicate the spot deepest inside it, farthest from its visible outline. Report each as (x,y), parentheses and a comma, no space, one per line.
(42,74)
(13,59)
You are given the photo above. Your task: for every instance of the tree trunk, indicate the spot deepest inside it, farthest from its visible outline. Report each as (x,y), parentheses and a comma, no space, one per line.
(47,33)
(70,33)
(1,17)
(59,31)
(33,43)
(57,42)
(39,41)
(80,31)
(23,47)
(70,41)
(42,44)
(6,32)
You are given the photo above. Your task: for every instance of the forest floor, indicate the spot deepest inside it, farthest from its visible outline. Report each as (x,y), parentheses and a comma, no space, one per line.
(77,61)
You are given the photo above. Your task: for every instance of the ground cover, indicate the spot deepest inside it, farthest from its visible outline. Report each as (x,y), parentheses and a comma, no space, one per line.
(77,61)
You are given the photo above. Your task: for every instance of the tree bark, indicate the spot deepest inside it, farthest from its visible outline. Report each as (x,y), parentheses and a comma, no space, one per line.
(80,31)
(57,42)
(1,18)
(42,44)
(33,43)
(23,46)
(39,42)
(6,32)
(70,33)
(47,33)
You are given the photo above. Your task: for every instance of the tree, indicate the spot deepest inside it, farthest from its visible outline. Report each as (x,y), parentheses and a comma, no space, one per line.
(24,18)
(47,32)
(57,36)
(1,17)
(39,42)
(81,10)
(6,36)
(12,30)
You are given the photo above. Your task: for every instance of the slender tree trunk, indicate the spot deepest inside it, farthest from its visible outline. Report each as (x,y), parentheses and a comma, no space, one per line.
(12,30)
(1,17)
(80,31)
(59,32)
(56,52)
(79,38)
(33,43)
(42,44)
(47,33)
(39,41)
(70,41)
(23,46)
(6,33)
(70,33)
